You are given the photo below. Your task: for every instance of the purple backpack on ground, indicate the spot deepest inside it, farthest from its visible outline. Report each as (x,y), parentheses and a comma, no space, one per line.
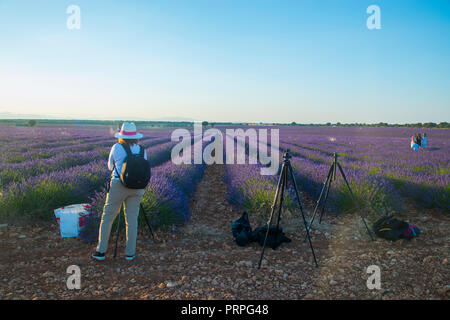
(412,232)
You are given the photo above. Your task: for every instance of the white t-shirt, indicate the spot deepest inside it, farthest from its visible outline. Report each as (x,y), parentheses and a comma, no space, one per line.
(117,155)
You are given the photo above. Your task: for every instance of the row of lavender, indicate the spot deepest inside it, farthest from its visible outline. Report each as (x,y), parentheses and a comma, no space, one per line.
(25,144)
(36,185)
(379,163)
(381,169)
(39,195)
(166,198)
(249,190)
(14,172)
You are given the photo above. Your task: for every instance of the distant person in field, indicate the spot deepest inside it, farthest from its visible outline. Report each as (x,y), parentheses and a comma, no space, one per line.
(414,144)
(118,193)
(424,140)
(419,139)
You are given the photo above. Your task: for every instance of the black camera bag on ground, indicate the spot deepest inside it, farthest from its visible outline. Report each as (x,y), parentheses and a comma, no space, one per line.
(390,228)
(275,237)
(242,233)
(242,230)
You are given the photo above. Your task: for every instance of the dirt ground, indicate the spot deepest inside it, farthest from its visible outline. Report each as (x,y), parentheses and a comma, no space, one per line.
(201,260)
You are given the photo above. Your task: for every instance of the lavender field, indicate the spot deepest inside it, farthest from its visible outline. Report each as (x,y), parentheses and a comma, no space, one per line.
(44,168)
(384,173)
(379,164)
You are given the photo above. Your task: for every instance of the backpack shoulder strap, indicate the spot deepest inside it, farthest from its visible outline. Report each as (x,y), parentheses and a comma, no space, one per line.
(127,149)
(115,169)
(141,151)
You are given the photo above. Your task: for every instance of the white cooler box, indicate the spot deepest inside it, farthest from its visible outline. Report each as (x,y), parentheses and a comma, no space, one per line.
(71,218)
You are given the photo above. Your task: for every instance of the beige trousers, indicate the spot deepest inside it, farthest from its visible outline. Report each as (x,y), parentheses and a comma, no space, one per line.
(117,195)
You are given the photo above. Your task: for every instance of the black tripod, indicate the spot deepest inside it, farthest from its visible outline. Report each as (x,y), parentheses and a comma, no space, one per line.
(118,226)
(281,187)
(327,184)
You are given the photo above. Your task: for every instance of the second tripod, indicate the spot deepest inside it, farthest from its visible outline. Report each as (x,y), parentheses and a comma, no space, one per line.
(327,185)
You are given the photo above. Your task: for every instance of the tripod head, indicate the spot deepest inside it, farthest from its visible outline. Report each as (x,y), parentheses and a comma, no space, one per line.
(287,156)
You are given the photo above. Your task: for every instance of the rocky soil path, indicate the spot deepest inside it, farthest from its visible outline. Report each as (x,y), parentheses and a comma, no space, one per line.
(201,261)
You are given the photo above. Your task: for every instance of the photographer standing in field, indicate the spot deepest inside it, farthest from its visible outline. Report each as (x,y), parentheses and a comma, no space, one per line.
(414,143)
(419,139)
(130,175)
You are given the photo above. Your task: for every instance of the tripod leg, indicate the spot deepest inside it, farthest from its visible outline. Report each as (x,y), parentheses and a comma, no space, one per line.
(301,210)
(146,221)
(283,188)
(333,167)
(319,200)
(354,199)
(117,232)
(269,222)
(334,172)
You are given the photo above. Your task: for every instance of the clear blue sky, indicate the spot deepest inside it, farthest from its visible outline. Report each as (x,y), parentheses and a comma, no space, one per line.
(234,60)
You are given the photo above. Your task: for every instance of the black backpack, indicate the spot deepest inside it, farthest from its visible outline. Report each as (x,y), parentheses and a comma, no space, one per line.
(275,237)
(243,234)
(242,230)
(390,228)
(135,169)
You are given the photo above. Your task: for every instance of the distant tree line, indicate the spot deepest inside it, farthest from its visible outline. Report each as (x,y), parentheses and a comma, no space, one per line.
(156,124)
(115,123)
(407,125)
(445,125)
(442,125)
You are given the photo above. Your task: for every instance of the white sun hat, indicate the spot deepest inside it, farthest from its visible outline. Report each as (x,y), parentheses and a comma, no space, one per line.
(128,131)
